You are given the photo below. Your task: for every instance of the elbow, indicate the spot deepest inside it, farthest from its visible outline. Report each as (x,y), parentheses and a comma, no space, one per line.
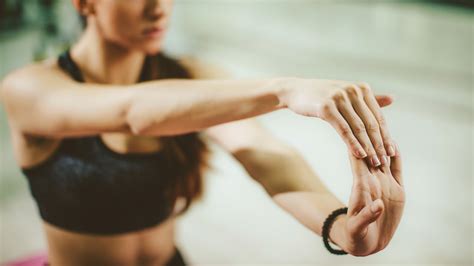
(142,120)
(139,113)
(132,116)
(136,120)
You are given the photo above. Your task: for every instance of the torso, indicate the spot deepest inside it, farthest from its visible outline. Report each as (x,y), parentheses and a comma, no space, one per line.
(151,246)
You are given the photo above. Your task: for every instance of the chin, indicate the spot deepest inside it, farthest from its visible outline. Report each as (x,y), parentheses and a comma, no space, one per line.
(152,49)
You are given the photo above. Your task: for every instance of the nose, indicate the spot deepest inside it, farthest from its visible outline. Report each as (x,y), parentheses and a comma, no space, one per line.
(154,9)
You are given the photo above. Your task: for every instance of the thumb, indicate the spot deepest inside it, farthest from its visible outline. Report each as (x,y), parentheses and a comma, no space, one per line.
(384,100)
(364,218)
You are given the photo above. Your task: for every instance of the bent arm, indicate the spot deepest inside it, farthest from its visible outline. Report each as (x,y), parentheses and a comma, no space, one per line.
(45,101)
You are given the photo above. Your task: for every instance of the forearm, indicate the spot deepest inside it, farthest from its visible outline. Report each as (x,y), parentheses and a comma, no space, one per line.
(173,107)
(294,186)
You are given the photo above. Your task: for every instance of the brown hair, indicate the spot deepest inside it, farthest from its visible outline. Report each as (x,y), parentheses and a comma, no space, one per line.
(187,153)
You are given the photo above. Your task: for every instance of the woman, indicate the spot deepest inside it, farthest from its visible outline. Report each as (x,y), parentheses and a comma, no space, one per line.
(108,136)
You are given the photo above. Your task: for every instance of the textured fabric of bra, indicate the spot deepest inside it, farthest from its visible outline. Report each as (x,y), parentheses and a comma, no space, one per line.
(86,187)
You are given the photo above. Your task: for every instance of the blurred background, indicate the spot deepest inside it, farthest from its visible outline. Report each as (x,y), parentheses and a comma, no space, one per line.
(419,51)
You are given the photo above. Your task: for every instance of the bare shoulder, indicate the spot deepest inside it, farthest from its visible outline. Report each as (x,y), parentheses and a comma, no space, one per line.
(31,70)
(201,69)
(22,83)
(23,79)
(29,81)
(14,87)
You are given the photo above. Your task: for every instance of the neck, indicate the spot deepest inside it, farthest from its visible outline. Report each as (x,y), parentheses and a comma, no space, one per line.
(101,61)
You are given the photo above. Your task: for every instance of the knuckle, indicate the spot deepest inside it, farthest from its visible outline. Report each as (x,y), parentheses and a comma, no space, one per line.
(365,88)
(345,130)
(359,128)
(364,84)
(382,121)
(352,90)
(339,96)
(327,108)
(372,127)
(380,148)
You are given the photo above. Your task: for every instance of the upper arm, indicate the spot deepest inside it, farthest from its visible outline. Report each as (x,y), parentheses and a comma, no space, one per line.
(42,100)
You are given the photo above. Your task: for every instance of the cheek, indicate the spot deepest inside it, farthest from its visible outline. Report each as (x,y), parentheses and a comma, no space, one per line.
(120,25)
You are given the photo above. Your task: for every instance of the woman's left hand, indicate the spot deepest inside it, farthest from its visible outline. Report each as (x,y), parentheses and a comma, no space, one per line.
(375,205)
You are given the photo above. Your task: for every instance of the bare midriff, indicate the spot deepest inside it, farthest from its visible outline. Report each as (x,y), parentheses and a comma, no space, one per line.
(151,246)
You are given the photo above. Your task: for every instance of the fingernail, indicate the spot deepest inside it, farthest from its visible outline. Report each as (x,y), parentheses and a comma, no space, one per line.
(375,160)
(384,160)
(397,148)
(362,153)
(391,151)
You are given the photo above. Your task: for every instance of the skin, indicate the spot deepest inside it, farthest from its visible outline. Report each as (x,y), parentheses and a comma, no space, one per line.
(375,206)
(110,54)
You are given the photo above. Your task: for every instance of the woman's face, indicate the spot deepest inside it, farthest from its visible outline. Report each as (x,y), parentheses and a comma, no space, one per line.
(135,24)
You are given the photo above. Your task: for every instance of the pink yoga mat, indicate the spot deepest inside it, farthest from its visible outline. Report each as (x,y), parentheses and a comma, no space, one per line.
(39,259)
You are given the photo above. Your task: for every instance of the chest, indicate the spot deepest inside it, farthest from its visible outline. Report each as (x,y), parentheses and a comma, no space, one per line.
(32,151)
(126,143)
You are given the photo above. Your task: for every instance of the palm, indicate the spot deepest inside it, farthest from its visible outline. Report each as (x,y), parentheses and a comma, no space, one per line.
(368,232)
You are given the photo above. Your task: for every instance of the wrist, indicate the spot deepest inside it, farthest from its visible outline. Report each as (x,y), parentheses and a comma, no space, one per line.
(282,86)
(337,234)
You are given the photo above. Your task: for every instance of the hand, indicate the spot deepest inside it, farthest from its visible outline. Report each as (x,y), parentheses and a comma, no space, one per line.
(375,206)
(351,108)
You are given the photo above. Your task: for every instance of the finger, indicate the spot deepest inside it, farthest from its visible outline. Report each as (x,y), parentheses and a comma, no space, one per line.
(333,116)
(396,166)
(358,225)
(385,168)
(371,134)
(359,131)
(384,100)
(358,166)
(371,102)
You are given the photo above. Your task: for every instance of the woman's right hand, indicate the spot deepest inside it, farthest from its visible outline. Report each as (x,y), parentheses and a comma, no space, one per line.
(351,108)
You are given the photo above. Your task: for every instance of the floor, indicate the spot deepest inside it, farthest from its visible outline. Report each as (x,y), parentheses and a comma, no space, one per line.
(420,53)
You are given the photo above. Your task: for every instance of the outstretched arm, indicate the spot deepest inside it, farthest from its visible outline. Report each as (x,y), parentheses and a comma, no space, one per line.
(377,197)
(282,171)
(42,100)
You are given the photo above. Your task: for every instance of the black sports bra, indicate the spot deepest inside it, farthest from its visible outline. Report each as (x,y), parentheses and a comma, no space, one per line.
(88,188)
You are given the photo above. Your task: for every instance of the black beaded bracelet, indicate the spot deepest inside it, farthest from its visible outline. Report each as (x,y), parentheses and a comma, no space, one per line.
(327,227)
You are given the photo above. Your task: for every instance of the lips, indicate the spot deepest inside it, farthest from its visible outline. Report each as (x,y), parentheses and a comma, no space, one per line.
(153,31)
